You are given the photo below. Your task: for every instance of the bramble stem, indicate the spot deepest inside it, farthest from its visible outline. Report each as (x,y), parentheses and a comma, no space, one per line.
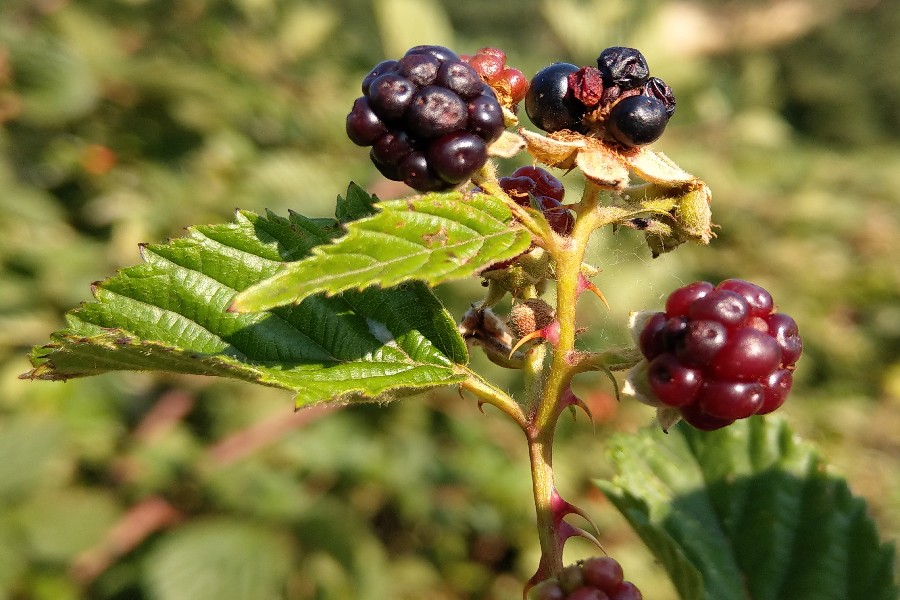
(494,396)
(568,255)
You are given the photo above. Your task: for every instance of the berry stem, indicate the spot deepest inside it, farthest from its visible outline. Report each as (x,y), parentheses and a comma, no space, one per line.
(540,453)
(567,253)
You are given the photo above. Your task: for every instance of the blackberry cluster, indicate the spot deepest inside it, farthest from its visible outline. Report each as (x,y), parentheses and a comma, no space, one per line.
(534,187)
(428,117)
(618,99)
(598,578)
(720,353)
(508,83)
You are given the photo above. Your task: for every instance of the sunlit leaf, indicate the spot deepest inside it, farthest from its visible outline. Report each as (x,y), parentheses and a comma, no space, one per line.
(432,238)
(171,314)
(748,512)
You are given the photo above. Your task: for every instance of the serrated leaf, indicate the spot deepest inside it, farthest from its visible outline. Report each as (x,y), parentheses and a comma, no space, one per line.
(432,238)
(170,314)
(748,512)
(221,559)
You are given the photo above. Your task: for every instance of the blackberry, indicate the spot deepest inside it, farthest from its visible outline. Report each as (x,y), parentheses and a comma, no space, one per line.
(625,68)
(637,120)
(428,117)
(597,578)
(720,353)
(534,187)
(549,102)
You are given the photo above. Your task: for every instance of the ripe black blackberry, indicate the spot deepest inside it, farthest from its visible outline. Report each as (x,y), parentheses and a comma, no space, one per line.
(428,117)
(720,353)
(549,101)
(617,101)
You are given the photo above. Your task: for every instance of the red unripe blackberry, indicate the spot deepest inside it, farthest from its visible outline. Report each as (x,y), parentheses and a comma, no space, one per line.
(537,188)
(602,572)
(587,593)
(547,590)
(748,355)
(784,329)
(719,353)
(546,184)
(680,300)
(701,343)
(730,400)
(776,388)
(626,591)
(672,382)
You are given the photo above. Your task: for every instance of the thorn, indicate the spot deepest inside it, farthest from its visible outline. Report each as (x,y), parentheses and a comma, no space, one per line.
(549,332)
(531,336)
(568,399)
(585,284)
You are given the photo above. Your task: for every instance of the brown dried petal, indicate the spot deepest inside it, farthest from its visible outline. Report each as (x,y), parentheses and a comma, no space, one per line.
(586,85)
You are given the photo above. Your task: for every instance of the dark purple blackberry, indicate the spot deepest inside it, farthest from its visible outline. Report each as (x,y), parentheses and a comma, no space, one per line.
(442,53)
(381,68)
(436,111)
(625,68)
(454,156)
(390,95)
(363,125)
(421,69)
(414,172)
(719,353)
(549,103)
(537,188)
(460,78)
(428,117)
(485,118)
(392,147)
(637,120)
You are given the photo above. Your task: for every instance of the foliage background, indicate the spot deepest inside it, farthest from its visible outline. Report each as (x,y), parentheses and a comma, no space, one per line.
(122,121)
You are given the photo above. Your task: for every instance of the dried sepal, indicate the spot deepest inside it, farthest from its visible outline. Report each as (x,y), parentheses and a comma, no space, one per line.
(606,164)
(656,167)
(507,145)
(559,149)
(602,165)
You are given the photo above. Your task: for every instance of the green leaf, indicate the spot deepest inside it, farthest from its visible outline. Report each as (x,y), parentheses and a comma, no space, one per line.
(220,559)
(171,314)
(433,238)
(748,512)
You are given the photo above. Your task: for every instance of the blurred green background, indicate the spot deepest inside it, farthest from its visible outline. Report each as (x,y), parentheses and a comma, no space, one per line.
(123,121)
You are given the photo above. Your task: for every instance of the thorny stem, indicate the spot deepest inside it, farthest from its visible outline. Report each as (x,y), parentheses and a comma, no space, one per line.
(567,255)
(546,384)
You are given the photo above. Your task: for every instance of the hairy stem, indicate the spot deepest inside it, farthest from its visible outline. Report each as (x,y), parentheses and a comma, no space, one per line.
(489,394)
(568,255)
